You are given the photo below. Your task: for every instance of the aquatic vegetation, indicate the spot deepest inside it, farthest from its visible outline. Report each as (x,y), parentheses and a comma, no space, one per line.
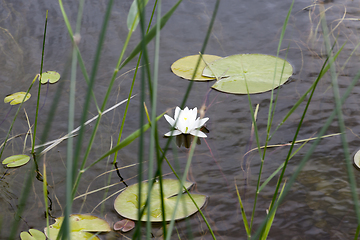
(81,225)
(165,200)
(16,160)
(133,16)
(237,74)
(357,159)
(185,122)
(185,67)
(17,98)
(49,77)
(124,225)
(248,73)
(33,234)
(127,203)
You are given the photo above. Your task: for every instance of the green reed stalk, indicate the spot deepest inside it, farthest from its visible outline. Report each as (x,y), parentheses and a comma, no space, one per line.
(130,93)
(308,153)
(22,202)
(73,38)
(45,193)
(323,70)
(148,37)
(129,97)
(39,88)
(132,83)
(269,123)
(17,112)
(158,173)
(71,166)
(321,133)
(142,110)
(153,126)
(340,117)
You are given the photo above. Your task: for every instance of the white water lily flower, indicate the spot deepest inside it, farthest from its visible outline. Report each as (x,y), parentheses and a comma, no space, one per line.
(186,122)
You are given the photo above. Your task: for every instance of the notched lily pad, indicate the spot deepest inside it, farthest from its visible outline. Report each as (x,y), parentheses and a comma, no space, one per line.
(81,225)
(16,160)
(33,234)
(184,67)
(124,225)
(256,69)
(127,202)
(50,76)
(16,98)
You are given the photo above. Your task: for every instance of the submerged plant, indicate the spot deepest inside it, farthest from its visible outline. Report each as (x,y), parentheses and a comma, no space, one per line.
(185,122)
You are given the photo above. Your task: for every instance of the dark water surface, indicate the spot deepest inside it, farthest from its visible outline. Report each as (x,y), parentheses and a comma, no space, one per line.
(319,205)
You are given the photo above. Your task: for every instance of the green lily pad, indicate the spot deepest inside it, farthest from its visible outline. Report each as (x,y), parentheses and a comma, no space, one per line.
(16,98)
(126,203)
(184,67)
(257,69)
(81,225)
(16,160)
(50,76)
(33,235)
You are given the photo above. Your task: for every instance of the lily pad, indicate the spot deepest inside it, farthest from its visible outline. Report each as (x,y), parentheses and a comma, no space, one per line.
(256,69)
(126,203)
(357,159)
(124,225)
(33,234)
(184,67)
(81,225)
(50,76)
(16,160)
(16,98)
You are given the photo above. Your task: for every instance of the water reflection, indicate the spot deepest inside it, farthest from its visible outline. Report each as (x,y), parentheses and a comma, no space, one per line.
(185,140)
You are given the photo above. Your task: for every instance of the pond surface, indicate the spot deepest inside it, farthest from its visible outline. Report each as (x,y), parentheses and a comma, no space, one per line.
(319,205)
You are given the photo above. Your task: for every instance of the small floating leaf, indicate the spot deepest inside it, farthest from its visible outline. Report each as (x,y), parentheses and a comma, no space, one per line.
(16,160)
(357,159)
(16,98)
(126,203)
(80,225)
(33,235)
(124,225)
(133,16)
(257,69)
(184,67)
(50,76)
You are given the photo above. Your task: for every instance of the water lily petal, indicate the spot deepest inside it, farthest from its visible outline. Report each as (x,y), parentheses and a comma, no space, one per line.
(175,133)
(201,122)
(177,112)
(170,120)
(193,113)
(182,125)
(198,133)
